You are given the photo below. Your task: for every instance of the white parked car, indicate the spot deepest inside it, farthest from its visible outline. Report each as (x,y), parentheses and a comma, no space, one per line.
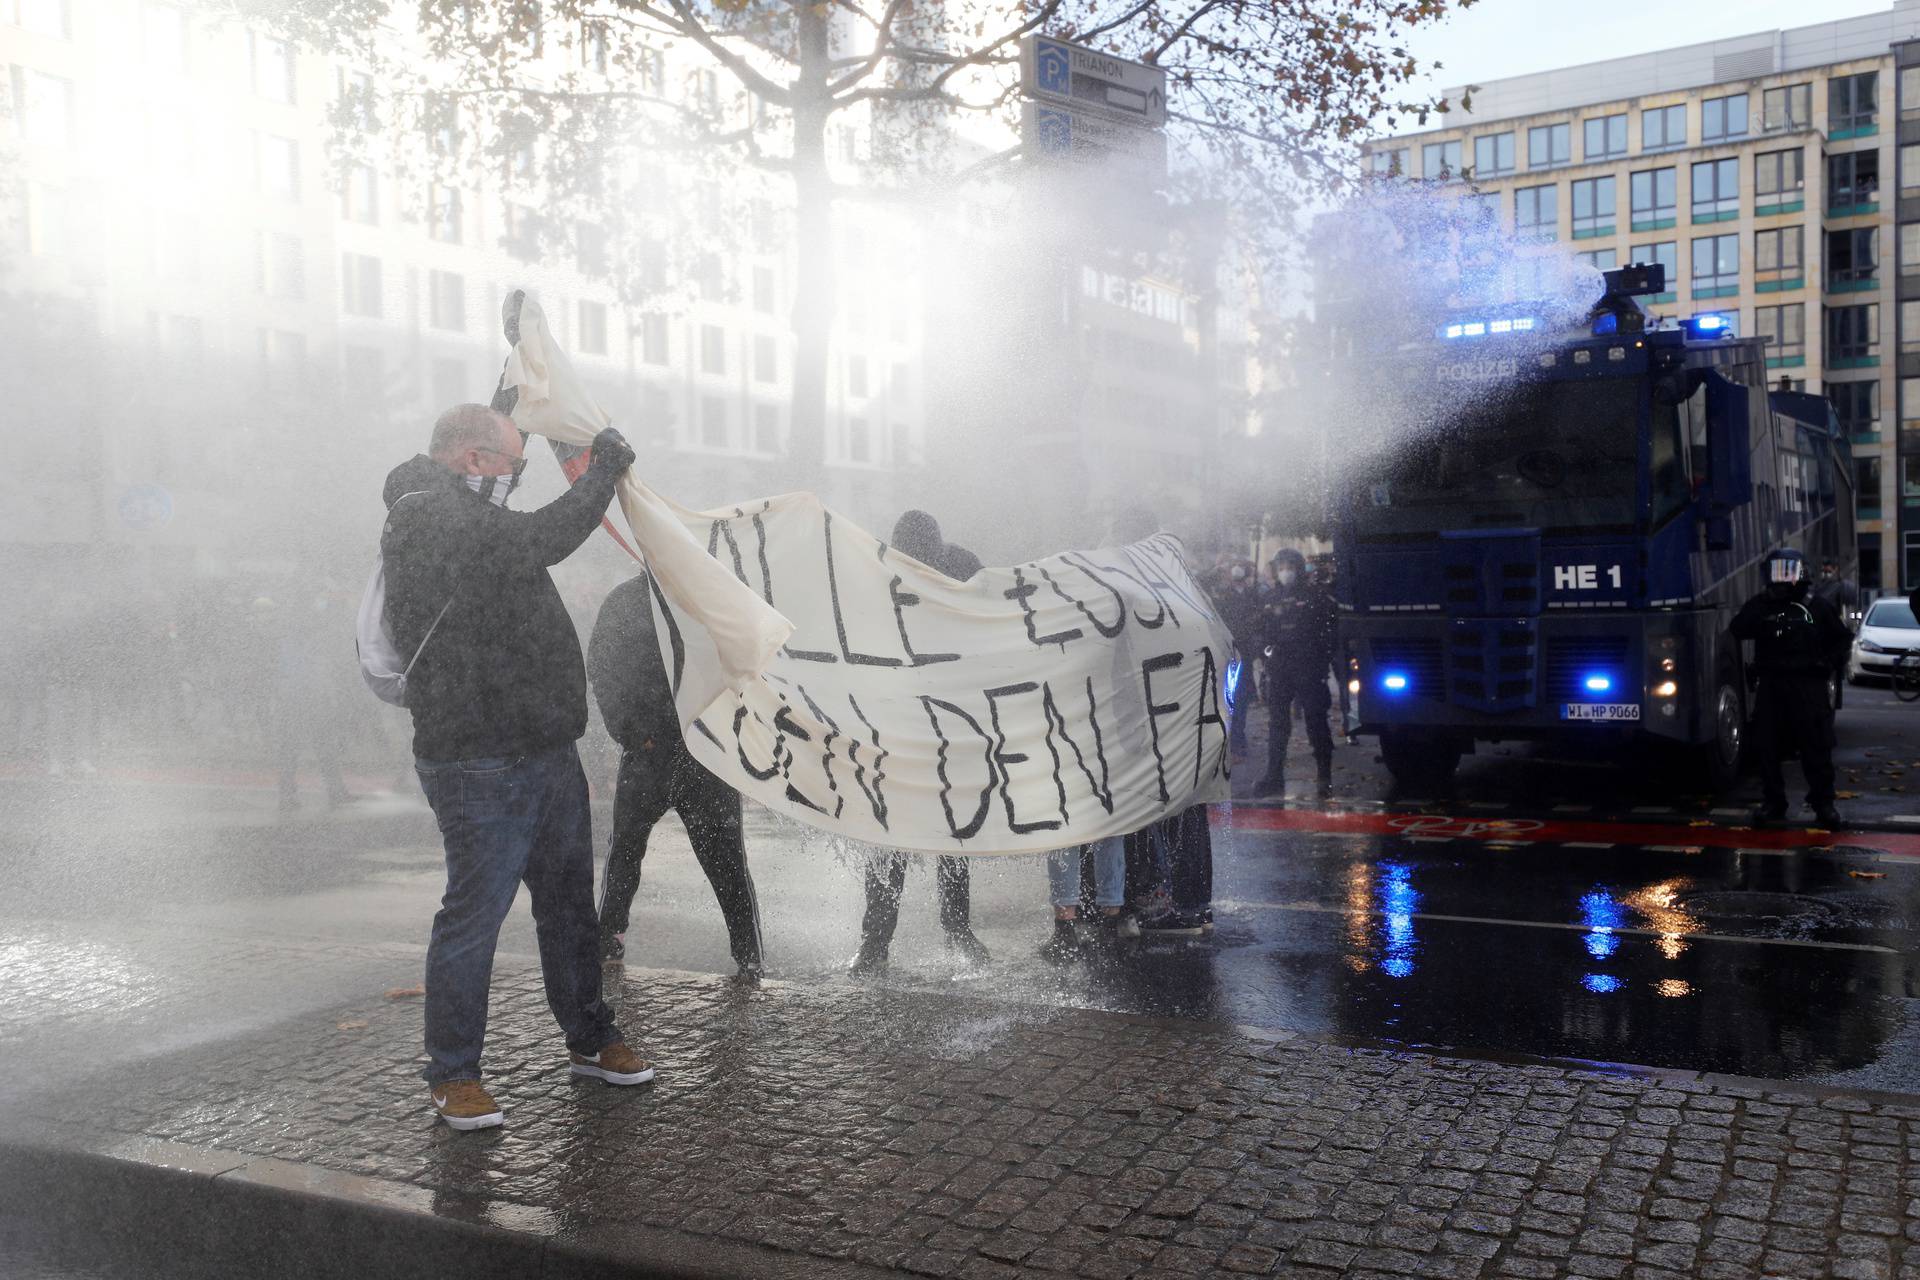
(1887,631)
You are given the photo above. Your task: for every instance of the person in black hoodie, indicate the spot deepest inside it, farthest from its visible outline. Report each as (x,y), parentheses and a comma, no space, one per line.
(498,695)
(1297,638)
(1798,641)
(918,534)
(658,773)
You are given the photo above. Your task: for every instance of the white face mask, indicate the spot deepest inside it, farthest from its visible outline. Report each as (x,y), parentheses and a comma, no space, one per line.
(494,489)
(1285,577)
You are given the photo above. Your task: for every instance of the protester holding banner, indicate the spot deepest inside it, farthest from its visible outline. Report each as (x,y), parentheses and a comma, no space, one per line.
(918,534)
(497,690)
(657,774)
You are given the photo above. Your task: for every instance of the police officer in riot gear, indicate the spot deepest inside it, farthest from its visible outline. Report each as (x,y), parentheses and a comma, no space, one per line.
(1297,632)
(1797,640)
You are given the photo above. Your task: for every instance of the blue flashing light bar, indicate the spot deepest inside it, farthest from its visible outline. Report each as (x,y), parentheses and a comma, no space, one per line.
(1482,328)
(1608,323)
(1394,682)
(1710,325)
(1599,682)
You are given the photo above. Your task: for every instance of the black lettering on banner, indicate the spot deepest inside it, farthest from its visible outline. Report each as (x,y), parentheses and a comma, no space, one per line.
(826,748)
(1210,689)
(902,601)
(1157,586)
(1002,758)
(1102,789)
(740,714)
(724,529)
(678,668)
(1019,592)
(709,735)
(1174,564)
(1159,662)
(1119,601)
(839,619)
(973,824)
(1158,620)
(876,797)
(801,655)
(783,721)
(766,573)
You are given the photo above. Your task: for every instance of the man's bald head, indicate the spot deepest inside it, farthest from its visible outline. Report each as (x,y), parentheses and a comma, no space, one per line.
(468,427)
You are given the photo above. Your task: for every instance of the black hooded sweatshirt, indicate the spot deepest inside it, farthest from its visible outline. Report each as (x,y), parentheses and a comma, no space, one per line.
(501,674)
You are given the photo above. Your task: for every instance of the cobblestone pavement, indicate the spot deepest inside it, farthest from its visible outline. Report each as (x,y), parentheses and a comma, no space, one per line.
(941,1135)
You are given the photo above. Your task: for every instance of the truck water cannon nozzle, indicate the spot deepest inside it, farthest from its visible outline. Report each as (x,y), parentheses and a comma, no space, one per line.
(1617,312)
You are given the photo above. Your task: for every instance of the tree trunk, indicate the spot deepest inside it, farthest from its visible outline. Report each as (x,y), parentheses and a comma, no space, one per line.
(813,295)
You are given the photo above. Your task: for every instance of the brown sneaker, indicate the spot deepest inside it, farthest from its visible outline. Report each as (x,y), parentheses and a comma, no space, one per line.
(464,1105)
(616,1064)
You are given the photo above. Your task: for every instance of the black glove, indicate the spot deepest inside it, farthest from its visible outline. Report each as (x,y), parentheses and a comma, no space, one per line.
(611,451)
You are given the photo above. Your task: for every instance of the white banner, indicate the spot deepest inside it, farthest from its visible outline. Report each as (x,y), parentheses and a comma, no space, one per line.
(1026,709)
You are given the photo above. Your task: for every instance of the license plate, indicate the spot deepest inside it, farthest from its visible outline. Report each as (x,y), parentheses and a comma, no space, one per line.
(1601,711)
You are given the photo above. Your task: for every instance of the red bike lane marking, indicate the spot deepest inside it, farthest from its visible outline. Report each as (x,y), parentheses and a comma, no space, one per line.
(1553,831)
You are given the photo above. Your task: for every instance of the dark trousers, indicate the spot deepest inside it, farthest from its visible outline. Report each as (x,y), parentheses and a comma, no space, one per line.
(1309,689)
(1174,853)
(505,821)
(1788,711)
(887,877)
(652,781)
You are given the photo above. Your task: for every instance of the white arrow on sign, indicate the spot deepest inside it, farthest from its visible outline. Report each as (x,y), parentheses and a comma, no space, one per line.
(1087,79)
(1058,134)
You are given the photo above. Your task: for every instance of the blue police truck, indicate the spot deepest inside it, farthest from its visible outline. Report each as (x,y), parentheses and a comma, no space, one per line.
(1559,558)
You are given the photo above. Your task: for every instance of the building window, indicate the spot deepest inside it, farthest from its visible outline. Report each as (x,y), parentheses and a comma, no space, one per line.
(856,375)
(443,214)
(1654,197)
(1594,207)
(1665,254)
(360,195)
(1853,179)
(1480,209)
(1716,266)
(765,299)
(1536,212)
(43,108)
(766,428)
(1440,160)
(1779,177)
(1857,405)
(1784,328)
(1549,145)
(276,166)
(360,284)
(447,300)
(1723,118)
(1390,162)
(653,338)
(593,328)
(1604,136)
(1866,491)
(1853,333)
(1778,254)
(41,17)
(859,447)
(1910,325)
(1853,257)
(1852,103)
(713,349)
(713,422)
(766,362)
(710,276)
(1909,248)
(1787,108)
(280,265)
(902,444)
(1716,190)
(650,67)
(1600,259)
(272,66)
(1909,92)
(1493,155)
(1910,168)
(1663,128)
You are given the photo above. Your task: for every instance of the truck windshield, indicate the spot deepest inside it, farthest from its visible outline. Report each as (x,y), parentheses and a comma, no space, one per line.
(1547,455)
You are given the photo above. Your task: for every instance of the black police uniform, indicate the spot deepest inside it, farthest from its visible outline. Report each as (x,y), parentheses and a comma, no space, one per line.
(1797,639)
(658,773)
(1298,630)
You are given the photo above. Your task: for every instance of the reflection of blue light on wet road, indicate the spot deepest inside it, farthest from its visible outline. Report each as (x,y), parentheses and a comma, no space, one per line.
(1601,983)
(1602,915)
(1399,900)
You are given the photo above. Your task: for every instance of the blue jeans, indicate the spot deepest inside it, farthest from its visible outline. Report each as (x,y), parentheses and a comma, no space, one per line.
(503,821)
(1109,873)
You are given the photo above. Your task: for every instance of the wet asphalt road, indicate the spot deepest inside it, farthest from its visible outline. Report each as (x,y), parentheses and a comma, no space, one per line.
(157,912)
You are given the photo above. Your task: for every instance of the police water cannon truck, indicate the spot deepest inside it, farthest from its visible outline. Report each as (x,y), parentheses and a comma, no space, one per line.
(1556,552)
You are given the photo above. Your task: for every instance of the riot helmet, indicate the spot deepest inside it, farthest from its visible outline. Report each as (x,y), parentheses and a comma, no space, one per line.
(1786,573)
